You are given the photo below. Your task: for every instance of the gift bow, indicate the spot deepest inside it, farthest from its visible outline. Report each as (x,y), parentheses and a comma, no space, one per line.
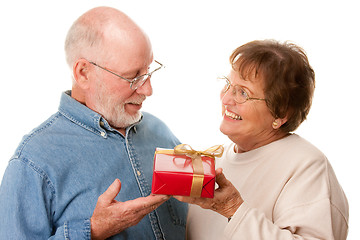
(186,149)
(198,176)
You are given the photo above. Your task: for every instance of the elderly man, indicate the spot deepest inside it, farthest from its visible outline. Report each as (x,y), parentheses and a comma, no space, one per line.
(63,180)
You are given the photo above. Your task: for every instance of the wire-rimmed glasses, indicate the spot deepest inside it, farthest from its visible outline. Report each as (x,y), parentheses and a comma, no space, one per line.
(136,82)
(239,93)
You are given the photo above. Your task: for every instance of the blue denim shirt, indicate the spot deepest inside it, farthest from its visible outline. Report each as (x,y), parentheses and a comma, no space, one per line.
(51,185)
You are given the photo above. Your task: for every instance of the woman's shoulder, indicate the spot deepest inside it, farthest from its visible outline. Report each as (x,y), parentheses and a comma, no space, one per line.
(295,145)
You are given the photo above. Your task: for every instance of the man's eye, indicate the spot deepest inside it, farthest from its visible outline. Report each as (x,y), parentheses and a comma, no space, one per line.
(133,76)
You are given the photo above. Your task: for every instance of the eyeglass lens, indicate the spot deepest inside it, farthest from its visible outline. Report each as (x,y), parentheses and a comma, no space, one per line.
(238,92)
(139,81)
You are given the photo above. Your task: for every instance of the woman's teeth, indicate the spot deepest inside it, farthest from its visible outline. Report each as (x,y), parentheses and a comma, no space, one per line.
(232,115)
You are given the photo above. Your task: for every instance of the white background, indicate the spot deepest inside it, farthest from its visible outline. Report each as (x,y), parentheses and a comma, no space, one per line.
(194,40)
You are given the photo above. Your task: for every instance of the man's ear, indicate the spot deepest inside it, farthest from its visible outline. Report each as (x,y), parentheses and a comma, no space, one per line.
(81,73)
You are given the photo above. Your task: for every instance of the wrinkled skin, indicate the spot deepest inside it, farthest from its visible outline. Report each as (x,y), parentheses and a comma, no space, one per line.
(226,199)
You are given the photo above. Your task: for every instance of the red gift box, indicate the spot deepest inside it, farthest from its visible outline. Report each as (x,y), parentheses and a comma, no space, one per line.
(173,174)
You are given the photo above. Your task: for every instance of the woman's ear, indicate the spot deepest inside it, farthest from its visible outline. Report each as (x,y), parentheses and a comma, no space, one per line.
(81,73)
(277,123)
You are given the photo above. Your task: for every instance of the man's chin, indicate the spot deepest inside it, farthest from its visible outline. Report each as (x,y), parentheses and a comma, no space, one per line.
(126,121)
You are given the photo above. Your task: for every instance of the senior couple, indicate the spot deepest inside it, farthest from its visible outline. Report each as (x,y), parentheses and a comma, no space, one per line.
(63,181)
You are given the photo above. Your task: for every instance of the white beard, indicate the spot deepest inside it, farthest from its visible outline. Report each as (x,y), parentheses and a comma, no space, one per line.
(116,114)
(114,111)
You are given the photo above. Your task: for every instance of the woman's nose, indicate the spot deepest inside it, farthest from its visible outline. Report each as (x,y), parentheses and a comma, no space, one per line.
(227,97)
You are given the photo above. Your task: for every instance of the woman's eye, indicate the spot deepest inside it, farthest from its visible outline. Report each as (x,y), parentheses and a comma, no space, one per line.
(241,93)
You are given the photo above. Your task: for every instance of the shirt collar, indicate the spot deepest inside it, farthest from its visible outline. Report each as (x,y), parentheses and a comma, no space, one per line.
(84,116)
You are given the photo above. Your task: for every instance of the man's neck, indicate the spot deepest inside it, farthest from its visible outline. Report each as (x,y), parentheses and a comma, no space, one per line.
(122,131)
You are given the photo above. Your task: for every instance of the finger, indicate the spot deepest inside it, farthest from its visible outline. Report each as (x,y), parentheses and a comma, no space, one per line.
(155,206)
(202,202)
(179,198)
(155,199)
(110,194)
(184,199)
(162,196)
(145,205)
(220,178)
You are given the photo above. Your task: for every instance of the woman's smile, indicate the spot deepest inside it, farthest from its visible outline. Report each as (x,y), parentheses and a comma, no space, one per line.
(232,115)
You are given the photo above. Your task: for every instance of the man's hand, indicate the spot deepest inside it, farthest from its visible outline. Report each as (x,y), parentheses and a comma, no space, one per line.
(110,217)
(226,199)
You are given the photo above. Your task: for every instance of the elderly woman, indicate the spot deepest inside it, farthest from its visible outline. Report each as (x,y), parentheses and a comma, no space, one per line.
(277,185)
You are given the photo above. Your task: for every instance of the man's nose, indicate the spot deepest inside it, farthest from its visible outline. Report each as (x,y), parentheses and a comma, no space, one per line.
(146,88)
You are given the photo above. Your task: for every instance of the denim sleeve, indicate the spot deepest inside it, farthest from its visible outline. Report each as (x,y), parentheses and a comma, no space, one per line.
(26,206)
(75,229)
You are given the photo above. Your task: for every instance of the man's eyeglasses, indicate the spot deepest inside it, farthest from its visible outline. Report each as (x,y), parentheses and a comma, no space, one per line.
(240,95)
(136,82)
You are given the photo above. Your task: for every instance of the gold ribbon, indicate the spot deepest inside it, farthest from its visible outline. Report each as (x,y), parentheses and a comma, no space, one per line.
(198,175)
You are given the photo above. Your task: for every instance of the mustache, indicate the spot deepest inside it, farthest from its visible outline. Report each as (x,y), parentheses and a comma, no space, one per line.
(136,100)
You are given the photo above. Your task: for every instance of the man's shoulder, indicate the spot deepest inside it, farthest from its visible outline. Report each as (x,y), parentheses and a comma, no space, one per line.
(149,119)
(41,135)
(153,127)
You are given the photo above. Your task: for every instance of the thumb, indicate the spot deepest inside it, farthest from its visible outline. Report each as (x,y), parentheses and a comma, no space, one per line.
(220,178)
(113,190)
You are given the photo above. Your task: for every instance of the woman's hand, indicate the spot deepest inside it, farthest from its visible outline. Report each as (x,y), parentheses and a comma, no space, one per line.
(226,199)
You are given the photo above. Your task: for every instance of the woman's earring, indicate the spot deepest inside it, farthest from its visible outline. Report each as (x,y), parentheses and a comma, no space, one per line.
(275,124)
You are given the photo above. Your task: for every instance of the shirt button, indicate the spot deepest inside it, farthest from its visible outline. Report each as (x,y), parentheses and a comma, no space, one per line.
(102,123)
(103,134)
(138,173)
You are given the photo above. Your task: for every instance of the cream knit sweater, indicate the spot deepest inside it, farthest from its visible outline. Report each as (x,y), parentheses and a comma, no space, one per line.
(289,189)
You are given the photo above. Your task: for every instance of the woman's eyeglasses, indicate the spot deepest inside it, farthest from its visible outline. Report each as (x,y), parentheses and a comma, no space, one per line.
(239,93)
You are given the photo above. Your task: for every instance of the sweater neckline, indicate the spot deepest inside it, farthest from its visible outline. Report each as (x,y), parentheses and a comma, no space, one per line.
(255,154)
